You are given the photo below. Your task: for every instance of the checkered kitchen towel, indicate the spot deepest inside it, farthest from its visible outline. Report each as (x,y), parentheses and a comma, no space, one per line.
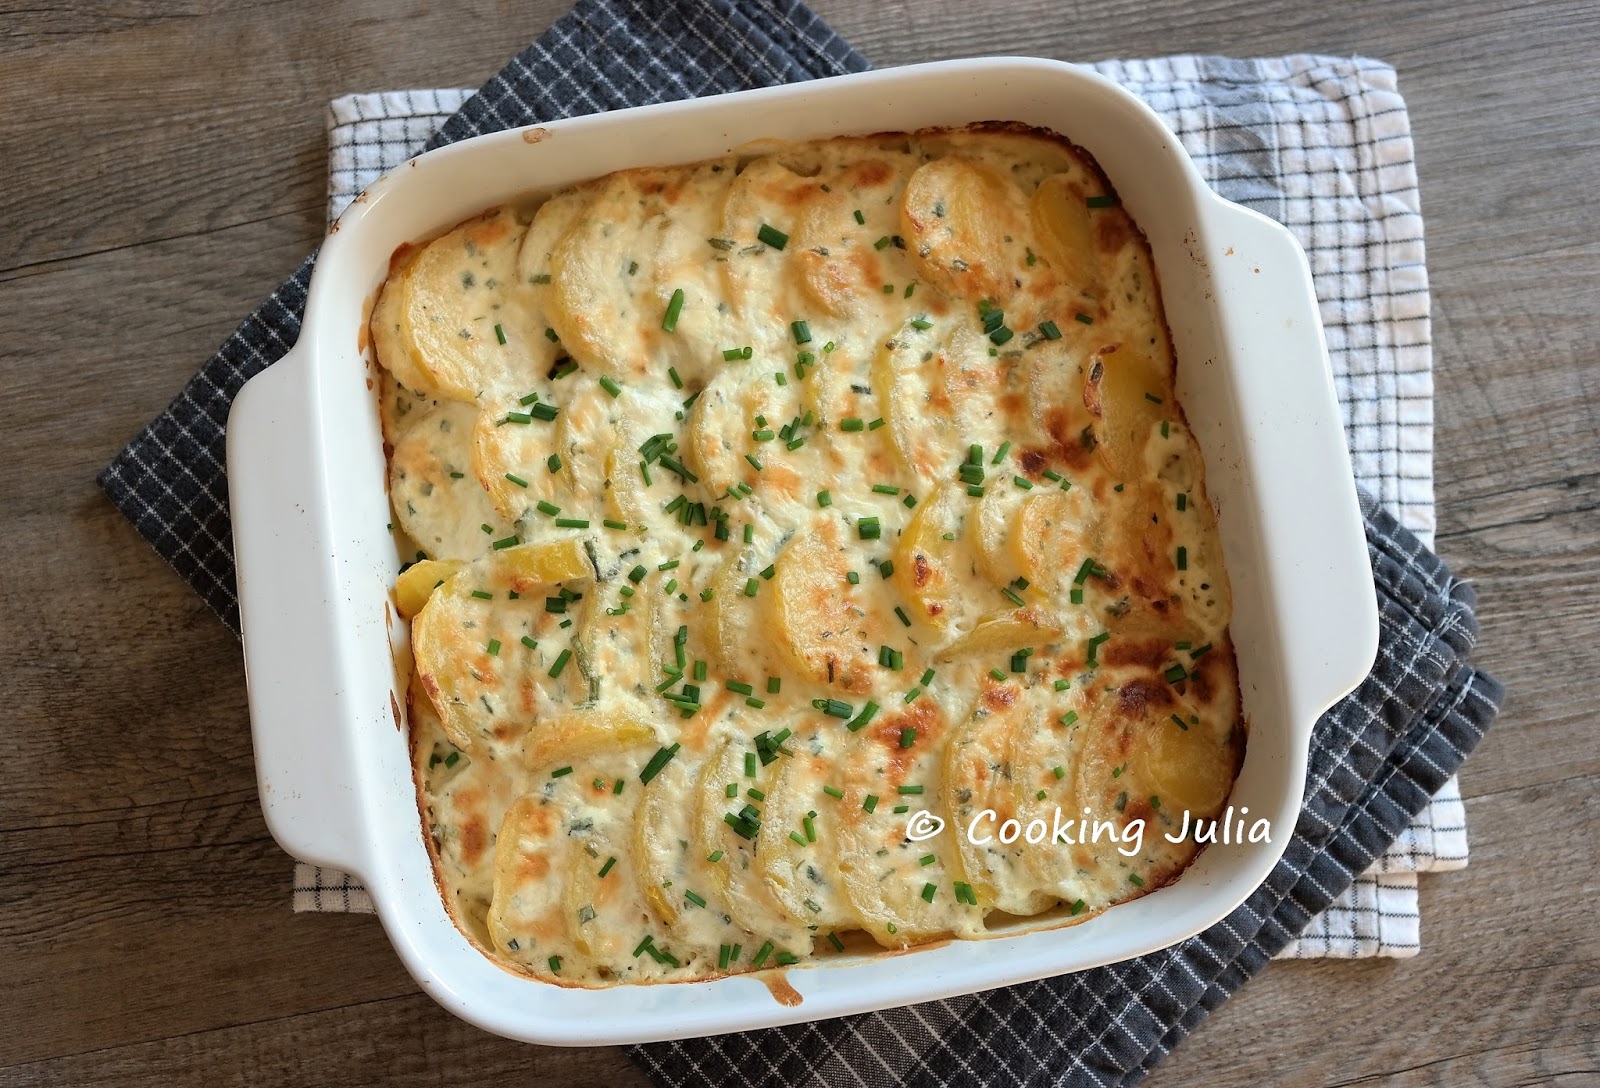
(1321,144)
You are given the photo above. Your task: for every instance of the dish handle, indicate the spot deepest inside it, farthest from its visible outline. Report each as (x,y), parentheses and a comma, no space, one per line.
(293,665)
(1326,607)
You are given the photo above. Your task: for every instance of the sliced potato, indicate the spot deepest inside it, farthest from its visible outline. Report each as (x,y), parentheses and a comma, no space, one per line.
(749,901)
(1126,390)
(642,239)
(417,582)
(546,562)
(679,883)
(935,565)
(582,735)
(1003,633)
(804,875)
(458,291)
(981,795)
(884,875)
(483,679)
(818,623)
(1060,214)
(966,226)
(436,498)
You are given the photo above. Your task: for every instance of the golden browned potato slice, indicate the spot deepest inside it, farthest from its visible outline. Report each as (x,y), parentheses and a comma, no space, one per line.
(461,297)
(901,898)
(817,622)
(1061,223)
(966,225)
(1127,391)
(736,880)
(798,858)
(982,794)
(418,581)
(436,498)
(1003,633)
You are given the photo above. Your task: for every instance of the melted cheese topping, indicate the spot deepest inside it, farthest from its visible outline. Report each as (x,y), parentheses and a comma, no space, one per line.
(772,500)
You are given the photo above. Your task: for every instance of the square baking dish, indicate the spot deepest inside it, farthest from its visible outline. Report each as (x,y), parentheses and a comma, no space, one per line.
(316,563)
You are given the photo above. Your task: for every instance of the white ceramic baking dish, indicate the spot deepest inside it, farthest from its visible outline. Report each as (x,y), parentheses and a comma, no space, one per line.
(315,561)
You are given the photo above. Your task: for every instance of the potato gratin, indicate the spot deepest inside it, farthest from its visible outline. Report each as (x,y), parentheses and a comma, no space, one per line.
(764,503)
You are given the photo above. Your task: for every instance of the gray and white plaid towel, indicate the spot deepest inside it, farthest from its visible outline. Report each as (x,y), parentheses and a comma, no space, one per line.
(1321,144)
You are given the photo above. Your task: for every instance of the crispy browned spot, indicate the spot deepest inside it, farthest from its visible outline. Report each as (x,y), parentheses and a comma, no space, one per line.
(1148,653)
(1136,697)
(920,571)
(1032,461)
(1000,697)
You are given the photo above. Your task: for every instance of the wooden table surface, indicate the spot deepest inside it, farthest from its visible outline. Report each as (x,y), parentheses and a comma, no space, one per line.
(163,168)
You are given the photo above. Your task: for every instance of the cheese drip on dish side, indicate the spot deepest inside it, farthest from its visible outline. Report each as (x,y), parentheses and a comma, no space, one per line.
(761,503)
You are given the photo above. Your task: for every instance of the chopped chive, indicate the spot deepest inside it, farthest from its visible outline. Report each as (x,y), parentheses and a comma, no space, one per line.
(669,322)
(910,791)
(824,499)
(610,386)
(1136,880)
(714,857)
(1106,201)
(908,736)
(870,802)
(1085,318)
(834,708)
(544,506)
(1094,645)
(868,712)
(885,489)
(662,757)
(852,423)
(493,647)
(693,898)
(772,236)
(1183,558)
(810,827)
(1196,655)
(529,642)
(997,674)
(572,523)
(1023,482)
(921,323)
(928,891)
(544,410)
(869,528)
(750,587)
(518,480)
(802,332)
(531,398)
(1049,330)
(561,663)
(677,382)
(875,424)
(901,613)
(761,956)
(506,542)
(1063,685)
(911,696)
(606,868)
(859,217)
(482,596)
(1069,717)
(1183,501)
(881,243)
(1176,674)
(1152,398)
(834,791)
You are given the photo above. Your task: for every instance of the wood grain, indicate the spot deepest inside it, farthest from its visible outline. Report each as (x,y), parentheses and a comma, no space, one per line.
(164,168)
